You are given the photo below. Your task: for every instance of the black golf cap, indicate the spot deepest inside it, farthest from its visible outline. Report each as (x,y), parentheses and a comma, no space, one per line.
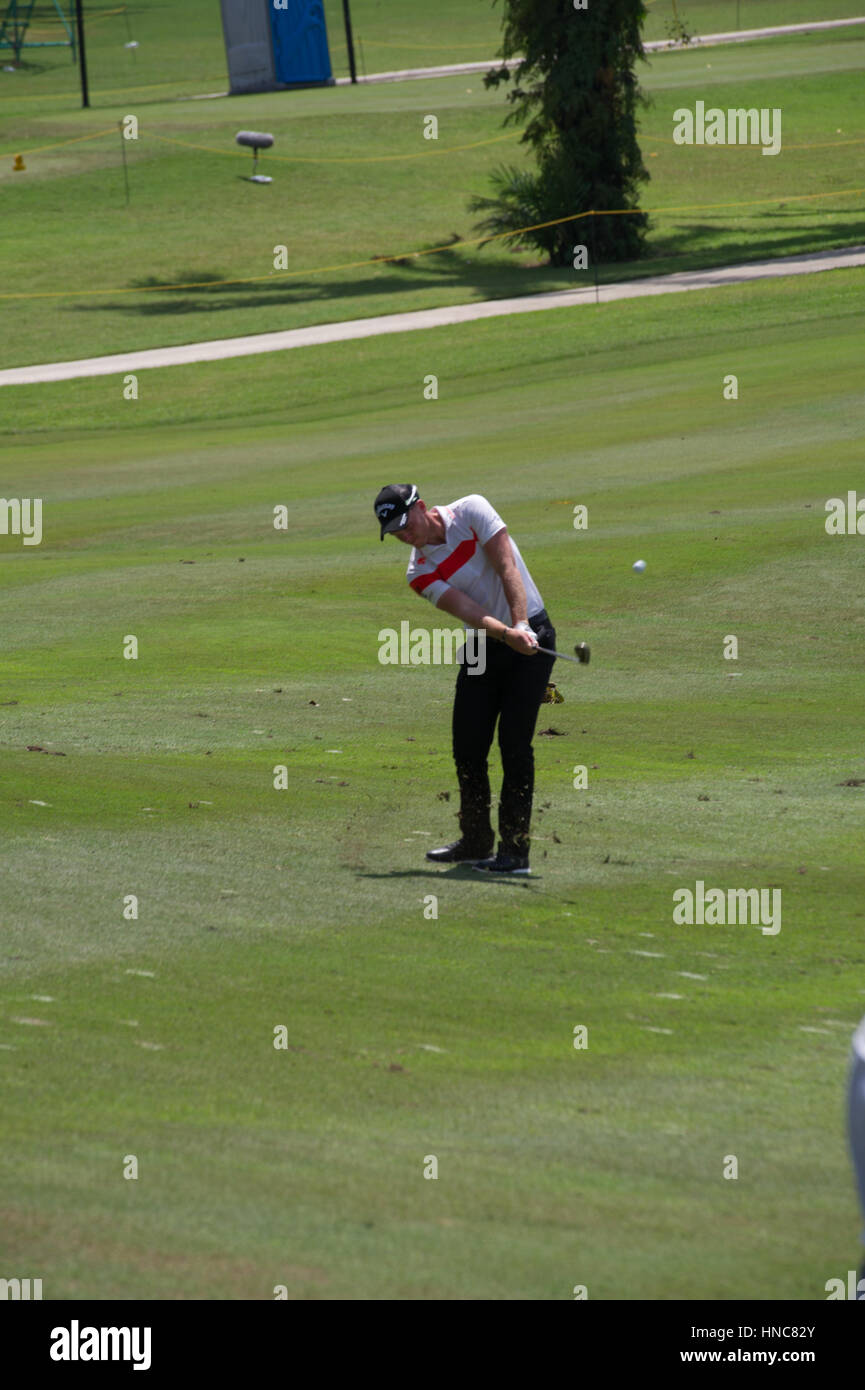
(393,505)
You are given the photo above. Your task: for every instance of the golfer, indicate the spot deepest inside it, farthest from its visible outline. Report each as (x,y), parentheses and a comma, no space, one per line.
(464,562)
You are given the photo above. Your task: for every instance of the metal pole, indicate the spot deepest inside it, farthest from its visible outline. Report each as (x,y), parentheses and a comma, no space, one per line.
(79,17)
(594,258)
(125,172)
(349,41)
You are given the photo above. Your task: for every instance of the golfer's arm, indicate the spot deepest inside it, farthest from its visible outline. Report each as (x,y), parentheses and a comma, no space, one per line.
(459,605)
(500,555)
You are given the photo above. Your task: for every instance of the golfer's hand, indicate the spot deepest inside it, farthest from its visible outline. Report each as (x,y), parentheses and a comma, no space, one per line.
(522,641)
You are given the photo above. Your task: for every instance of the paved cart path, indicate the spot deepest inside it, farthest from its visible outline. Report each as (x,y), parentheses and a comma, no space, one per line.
(220,348)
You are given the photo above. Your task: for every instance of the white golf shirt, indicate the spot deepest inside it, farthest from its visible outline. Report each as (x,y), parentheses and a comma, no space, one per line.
(461,562)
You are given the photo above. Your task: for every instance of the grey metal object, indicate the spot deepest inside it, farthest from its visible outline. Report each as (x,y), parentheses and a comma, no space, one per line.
(248,46)
(255,140)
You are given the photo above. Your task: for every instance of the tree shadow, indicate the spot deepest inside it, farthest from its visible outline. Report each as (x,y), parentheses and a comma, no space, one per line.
(683,242)
(680,249)
(206,289)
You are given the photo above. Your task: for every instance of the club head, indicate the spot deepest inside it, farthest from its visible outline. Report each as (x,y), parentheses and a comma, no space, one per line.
(582,652)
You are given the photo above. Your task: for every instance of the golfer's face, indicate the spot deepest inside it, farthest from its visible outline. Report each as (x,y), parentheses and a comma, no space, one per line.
(415,528)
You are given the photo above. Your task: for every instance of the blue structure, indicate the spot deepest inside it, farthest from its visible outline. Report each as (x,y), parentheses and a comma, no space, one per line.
(272,45)
(300,50)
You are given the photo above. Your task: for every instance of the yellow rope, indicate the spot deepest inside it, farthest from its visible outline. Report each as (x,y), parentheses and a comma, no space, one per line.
(335,159)
(52,24)
(369,159)
(118,91)
(430,251)
(283,159)
(40,149)
(106,14)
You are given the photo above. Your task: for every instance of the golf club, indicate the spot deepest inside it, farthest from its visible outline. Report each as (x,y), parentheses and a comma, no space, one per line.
(582,650)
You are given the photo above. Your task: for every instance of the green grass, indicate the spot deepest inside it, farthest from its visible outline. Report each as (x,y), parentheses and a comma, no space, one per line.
(260,908)
(354,180)
(181,51)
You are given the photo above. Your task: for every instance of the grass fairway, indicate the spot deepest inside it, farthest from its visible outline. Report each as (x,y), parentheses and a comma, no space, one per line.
(180,49)
(408,1036)
(193,255)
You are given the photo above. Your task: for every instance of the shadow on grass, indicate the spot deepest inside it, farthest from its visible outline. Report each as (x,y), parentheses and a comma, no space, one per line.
(739,248)
(444,270)
(452,272)
(458,871)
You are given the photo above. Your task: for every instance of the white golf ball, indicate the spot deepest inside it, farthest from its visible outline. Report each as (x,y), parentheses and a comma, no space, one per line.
(639,566)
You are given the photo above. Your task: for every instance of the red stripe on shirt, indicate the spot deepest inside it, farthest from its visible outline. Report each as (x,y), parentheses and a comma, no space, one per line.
(449,565)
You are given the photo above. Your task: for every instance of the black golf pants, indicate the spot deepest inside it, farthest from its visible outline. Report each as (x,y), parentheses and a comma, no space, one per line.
(509,691)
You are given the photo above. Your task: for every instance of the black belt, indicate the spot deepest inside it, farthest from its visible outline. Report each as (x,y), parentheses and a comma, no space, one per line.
(539,620)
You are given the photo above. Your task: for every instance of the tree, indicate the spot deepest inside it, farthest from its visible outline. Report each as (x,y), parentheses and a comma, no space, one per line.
(576,91)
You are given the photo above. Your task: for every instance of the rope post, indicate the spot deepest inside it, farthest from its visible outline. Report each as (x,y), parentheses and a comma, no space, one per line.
(352,66)
(123,152)
(79,18)
(594,258)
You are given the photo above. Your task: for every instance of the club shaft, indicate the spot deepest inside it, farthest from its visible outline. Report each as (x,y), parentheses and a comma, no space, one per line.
(561,656)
